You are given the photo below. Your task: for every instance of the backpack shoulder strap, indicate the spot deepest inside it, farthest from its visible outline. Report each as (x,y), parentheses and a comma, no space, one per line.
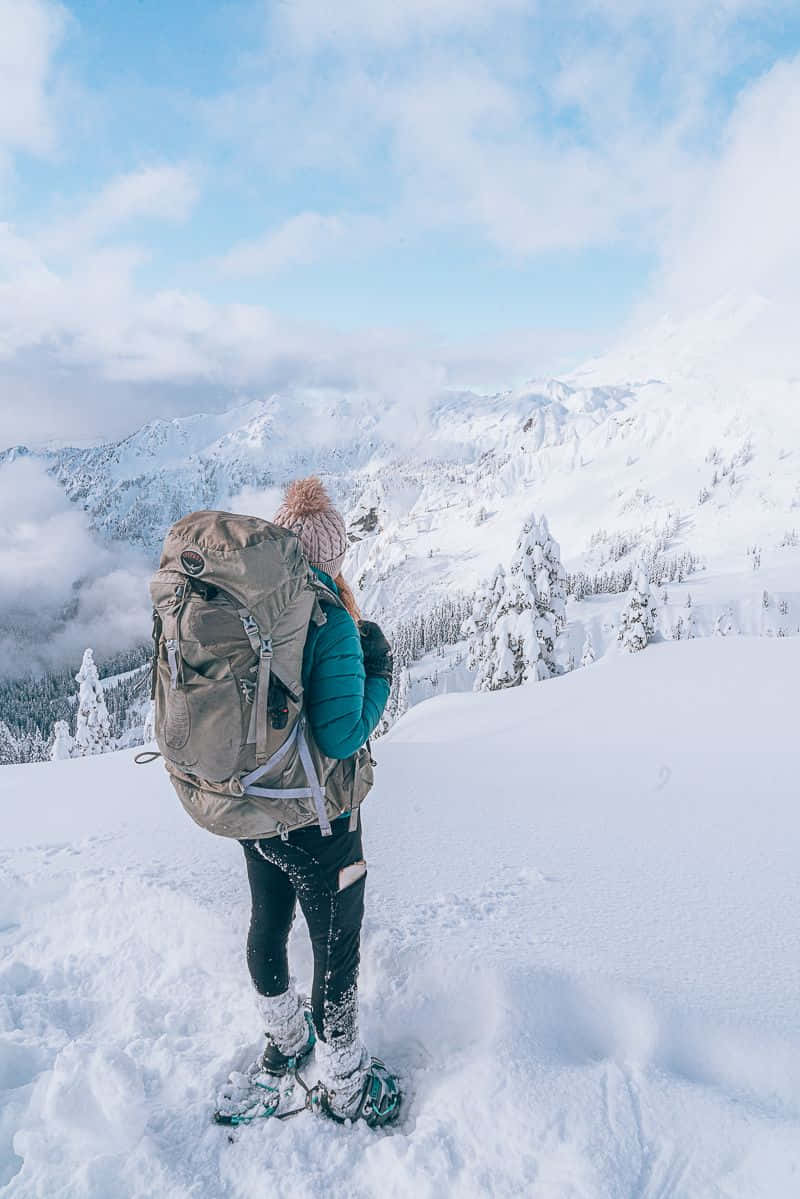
(323,592)
(323,596)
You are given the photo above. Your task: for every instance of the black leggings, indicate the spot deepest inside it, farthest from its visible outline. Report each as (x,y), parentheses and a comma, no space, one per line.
(307,867)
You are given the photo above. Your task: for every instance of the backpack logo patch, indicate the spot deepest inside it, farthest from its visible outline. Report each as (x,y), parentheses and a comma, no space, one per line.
(193,563)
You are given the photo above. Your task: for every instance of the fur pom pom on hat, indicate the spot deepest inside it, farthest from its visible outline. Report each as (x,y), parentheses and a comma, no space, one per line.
(307,510)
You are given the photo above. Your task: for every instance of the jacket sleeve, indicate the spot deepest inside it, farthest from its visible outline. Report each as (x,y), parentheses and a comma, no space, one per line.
(343,705)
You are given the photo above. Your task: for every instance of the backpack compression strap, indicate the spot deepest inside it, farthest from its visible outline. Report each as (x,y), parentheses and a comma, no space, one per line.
(314,790)
(262,647)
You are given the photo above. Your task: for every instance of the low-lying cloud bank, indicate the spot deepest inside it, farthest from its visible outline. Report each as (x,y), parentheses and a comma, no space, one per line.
(61,589)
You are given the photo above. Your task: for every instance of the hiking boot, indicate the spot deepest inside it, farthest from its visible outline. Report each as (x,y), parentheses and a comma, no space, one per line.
(378,1101)
(274,1061)
(289,1030)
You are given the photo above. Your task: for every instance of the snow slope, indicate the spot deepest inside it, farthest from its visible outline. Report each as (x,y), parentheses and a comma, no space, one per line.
(588,974)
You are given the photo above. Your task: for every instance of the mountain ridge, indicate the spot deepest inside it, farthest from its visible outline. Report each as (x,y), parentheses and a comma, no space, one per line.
(434,494)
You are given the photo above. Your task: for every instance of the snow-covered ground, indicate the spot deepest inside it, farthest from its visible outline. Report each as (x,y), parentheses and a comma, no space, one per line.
(581,951)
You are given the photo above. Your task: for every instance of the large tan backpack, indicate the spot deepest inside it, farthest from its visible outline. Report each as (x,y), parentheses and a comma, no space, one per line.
(232,603)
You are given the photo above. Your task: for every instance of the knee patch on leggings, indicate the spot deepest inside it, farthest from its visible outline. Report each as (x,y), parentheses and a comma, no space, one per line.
(351,874)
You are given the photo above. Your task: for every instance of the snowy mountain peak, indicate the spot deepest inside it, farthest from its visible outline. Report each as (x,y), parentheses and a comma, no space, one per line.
(435,494)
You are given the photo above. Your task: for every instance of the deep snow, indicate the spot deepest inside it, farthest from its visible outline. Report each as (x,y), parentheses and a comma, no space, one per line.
(581,951)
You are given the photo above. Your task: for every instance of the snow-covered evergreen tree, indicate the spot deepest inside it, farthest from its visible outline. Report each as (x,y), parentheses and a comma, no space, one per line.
(513,646)
(63,745)
(403,693)
(480,629)
(588,654)
(638,619)
(9,748)
(149,730)
(33,747)
(92,726)
(538,557)
(28,746)
(528,616)
(474,627)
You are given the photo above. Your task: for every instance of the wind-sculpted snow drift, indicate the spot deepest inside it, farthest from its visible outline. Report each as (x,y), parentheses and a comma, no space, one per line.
(588,975)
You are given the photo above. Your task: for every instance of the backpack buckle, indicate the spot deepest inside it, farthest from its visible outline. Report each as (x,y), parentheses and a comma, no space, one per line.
(249,625)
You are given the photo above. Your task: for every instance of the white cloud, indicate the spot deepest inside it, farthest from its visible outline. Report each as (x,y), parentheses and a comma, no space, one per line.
(301,239)
(744,231)
(539,131)
(284,115)
(31,33)
(263,502)
(42,537)
(84,353)
(678,12)
(726,293)
(305,238)
(597,126)
(313,23)
(163,192)
(60,589)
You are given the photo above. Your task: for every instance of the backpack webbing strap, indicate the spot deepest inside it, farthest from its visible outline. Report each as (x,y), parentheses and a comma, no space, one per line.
(261,700)
(262,647)
(317,790)
(248,779)
(314,790)
(280,792)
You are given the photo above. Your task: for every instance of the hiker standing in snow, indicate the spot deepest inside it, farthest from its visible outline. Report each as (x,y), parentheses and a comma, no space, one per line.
(267,685)
(347,672)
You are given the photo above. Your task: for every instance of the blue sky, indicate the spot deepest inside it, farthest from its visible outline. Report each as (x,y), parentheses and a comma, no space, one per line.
(206,199)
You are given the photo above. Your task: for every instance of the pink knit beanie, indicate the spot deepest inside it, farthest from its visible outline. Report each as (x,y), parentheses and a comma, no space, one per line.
(308,512)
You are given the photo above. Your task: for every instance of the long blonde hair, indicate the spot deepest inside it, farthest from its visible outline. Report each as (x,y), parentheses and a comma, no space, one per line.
(347,598)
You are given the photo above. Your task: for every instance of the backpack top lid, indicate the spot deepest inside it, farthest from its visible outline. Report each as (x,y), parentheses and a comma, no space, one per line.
(260,564)
(223,533)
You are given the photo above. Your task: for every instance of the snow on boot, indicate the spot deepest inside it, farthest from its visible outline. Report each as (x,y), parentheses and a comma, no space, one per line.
(354,1086)
(267,1088)
(289,1030)
(244,1099)
(378,1102)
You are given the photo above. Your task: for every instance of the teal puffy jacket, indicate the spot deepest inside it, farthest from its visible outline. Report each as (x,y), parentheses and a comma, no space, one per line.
(343,705)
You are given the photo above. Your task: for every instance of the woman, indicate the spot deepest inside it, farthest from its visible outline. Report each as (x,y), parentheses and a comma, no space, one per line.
(347,672)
